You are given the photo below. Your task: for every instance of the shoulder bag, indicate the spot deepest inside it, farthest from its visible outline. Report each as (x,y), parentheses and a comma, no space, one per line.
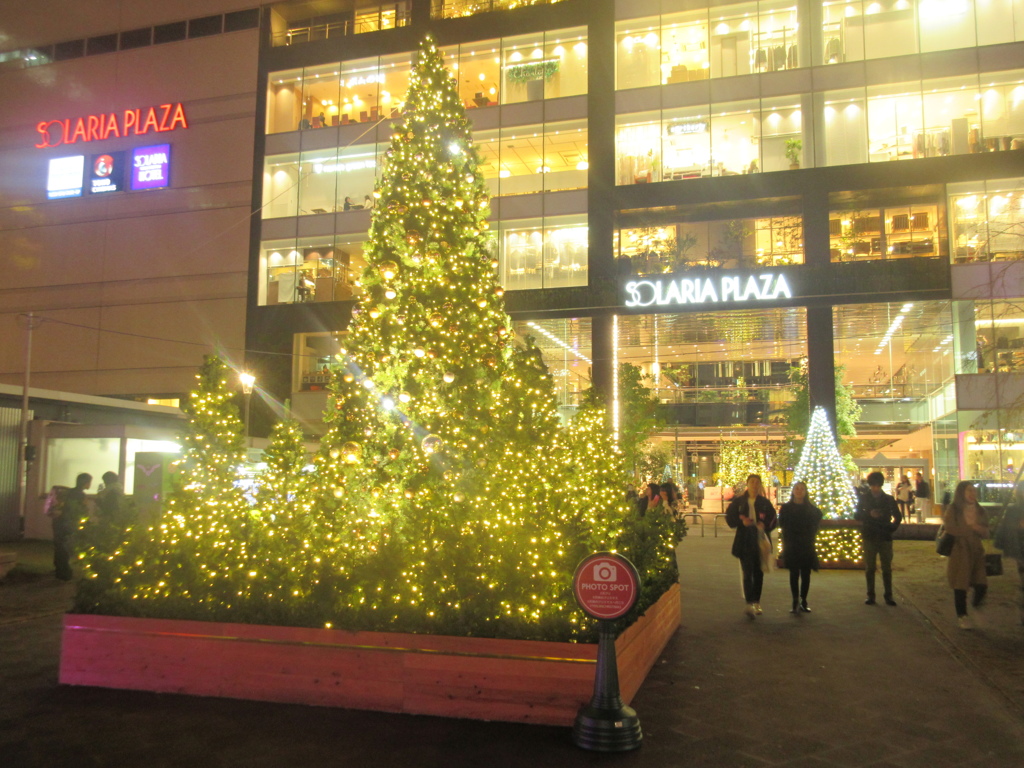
(944,542)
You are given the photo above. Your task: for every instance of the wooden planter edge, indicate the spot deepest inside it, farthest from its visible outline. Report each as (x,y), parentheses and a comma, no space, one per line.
(476,678)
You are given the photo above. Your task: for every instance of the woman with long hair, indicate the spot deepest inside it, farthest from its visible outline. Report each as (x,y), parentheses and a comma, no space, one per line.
(799,520)
(967,521)
(753,517)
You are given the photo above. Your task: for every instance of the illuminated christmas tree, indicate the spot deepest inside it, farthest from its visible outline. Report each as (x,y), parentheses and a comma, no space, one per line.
(456,492)
(821,468)
(740,458)
(199,553)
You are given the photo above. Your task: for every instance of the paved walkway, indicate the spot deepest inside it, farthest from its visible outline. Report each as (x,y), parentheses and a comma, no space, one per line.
(847,685)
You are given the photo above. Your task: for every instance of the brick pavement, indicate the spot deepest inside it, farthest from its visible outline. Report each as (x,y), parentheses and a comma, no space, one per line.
(847,685)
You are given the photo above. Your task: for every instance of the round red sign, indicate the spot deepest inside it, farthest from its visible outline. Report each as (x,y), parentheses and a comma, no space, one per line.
(606,585)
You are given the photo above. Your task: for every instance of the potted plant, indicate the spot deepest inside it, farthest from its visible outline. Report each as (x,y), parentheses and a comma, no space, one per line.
(793,149)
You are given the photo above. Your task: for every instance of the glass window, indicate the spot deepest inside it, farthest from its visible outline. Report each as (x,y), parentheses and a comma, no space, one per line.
(1002,112)
(686,145)
(842,31)
(889,28)
(548,253)
(566,158)
(565,346)
(478,68)
(284,101)
(987,221)
(947,24)
(734,40)
(638,54)
(892,232)
(846,127)
(280,186)
(735,138)
(895,121)
(316,358)
(684,51)
(997,20)
(781,134)
(896,357)
(746,243)
(450,9)
(318,181)
(319,95)
(536,67)
(638,148)
(774,43)
(951,119)
(312,269)
(534,158)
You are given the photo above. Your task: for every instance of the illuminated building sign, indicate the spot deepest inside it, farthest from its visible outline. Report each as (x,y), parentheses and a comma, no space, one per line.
(130,122)
(65,177)
(151,167)
(678,291)
(106,173)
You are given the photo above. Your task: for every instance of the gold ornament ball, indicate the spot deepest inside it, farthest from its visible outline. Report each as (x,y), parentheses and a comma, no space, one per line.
(335,453)
(394,453)
(431,444)
(388,270)
(449,377)
(448,475)
(436,320)
(351,451)
(459,497)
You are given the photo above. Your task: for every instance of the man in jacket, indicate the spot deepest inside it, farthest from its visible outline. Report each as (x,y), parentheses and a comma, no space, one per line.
(880,516)
(922,498)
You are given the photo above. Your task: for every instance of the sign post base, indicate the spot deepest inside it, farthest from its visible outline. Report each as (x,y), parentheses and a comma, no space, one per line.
(605,724)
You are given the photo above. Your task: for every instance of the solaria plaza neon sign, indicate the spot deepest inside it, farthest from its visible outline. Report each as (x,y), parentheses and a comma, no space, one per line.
(130,122)
(663,292)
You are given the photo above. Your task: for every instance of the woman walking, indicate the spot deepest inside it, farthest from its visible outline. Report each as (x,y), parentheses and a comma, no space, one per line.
(799,520)
(965,519)
(753,517)
(904,494)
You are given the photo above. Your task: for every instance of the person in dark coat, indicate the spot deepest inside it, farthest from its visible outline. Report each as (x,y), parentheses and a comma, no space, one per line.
(66,523)
(879,516)
(1009,538)
(752,515)
(799,520)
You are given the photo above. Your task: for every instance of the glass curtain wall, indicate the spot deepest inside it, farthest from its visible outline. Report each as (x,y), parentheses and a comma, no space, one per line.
(721,369)
(548,252)
(987,220)
(534,158)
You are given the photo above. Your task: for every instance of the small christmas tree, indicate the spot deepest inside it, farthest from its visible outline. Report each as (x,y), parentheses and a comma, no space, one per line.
(199,553)
(821,468)
(740,458)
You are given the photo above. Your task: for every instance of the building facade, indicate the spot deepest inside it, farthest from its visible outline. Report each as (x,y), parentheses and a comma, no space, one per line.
(715,193)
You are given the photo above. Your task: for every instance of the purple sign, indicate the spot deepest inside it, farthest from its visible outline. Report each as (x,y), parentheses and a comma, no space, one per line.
(151,167)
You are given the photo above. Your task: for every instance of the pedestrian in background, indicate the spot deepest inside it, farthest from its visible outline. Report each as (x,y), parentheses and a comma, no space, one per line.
(967,521)
(879,516)
(922,498)
(798,521)
(68,509)
(904,494)
(754,518)
(1010,538)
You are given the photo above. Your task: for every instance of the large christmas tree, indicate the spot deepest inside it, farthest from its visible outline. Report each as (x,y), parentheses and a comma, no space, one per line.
(447,496)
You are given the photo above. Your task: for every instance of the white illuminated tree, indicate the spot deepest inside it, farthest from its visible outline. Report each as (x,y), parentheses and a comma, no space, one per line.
(821,468)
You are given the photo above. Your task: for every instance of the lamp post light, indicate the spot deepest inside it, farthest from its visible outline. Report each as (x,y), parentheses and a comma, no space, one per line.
(248,381)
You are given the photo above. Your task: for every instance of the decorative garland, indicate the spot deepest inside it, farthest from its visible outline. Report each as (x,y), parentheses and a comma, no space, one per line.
(533,70)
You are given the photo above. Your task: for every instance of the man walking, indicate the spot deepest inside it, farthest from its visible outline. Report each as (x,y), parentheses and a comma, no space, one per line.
(880,516)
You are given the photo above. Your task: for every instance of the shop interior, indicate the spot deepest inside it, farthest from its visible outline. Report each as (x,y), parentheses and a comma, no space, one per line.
(311,270)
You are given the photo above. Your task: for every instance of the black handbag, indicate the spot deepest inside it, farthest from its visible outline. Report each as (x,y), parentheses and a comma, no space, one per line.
(944,542)
(994,565)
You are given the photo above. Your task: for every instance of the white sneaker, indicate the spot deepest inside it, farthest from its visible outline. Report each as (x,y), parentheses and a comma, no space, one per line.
(757,609)
(965,622)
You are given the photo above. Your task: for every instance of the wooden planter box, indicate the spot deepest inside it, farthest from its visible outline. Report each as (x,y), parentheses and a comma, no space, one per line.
(477,678)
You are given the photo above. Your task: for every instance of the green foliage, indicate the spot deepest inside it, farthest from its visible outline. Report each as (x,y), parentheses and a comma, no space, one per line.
(739,459)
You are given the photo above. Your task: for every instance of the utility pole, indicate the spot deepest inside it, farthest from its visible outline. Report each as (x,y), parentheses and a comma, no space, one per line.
(26,452)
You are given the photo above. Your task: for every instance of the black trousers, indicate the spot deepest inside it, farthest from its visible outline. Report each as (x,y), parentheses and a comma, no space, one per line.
(62,554)
(753,579)
(960,598)
(799,582)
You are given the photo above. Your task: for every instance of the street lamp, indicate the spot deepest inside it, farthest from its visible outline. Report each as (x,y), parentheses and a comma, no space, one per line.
(248,380)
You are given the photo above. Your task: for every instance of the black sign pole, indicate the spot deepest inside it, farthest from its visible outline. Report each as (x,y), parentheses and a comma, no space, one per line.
(606,725)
